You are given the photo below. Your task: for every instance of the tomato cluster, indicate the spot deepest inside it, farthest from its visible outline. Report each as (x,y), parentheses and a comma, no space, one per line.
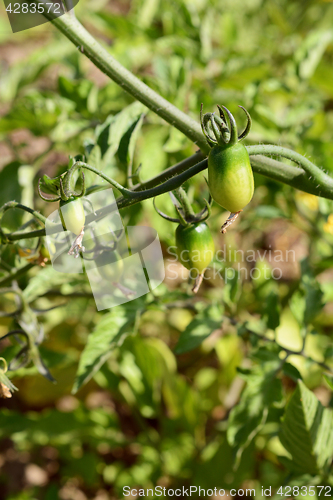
(231,185)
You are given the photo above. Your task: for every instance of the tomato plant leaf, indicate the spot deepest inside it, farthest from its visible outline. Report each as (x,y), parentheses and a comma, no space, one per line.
(46,279)
(307,432)
(110,332)
(10,190)
(49,185)
(292,372)
(272,311)
(246,419)
(68,129)
(110,133)
(307,302)
(310,52)
(128,141)
(329,380)
(199,329)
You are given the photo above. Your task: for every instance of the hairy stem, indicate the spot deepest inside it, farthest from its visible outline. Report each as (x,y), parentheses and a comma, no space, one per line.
(314,174)
(182,198)
(171,171)
(322,184)
(293,176)
(14,204)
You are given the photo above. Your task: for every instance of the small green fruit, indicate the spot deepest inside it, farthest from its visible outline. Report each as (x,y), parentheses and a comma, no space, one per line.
(195,246)
(72,215)
(110,265)
(230,176)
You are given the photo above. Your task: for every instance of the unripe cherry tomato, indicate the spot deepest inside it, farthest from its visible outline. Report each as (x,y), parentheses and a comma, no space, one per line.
(230,176)
(110,265)
(44,252)
(195,246)
(72,215)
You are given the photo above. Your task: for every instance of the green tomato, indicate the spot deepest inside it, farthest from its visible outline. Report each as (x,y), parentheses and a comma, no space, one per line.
(72,215)
(110,265)
(230,176)
(195,246)
(44,252)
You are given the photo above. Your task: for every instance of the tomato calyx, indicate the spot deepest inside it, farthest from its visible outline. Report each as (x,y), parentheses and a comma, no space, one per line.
(71,209)
(186,218)
(63,186)
(224,134)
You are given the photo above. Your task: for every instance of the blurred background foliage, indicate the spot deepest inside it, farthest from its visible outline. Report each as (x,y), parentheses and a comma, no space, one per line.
(189,394)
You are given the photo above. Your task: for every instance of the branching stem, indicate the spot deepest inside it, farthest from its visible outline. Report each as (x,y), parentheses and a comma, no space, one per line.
(175,176)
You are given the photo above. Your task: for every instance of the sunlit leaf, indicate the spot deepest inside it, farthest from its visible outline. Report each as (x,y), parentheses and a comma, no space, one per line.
(199,329)
(307,432)
(110,332)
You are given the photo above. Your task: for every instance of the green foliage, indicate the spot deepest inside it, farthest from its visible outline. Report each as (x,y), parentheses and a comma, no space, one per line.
(263,390)
(117,130)
(307,303)
(204,323)
(307,432)
(110,331)
(10,190)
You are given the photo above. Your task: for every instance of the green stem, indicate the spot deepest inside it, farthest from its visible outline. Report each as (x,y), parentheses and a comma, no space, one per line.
(165,187)
(171,172)
(15,204)
(101,58)
(124,191)
(315,174)
(75,32)
(293,176)
(22,235)
(16,274)
(182,197)
(163,176)
(278,171)
(139,192)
